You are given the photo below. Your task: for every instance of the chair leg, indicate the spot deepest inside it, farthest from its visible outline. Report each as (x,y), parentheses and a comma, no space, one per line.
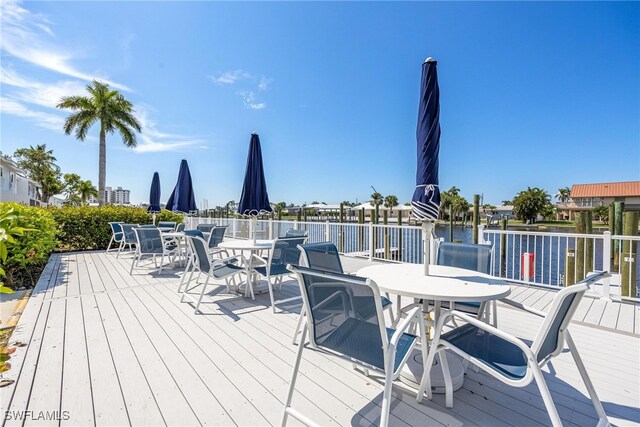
(186,285)
(388,386)
(204,287)
(161,262)
(120,249)
(546,395)
(110,242)
(301,323)
(133,263)
(294,375)
(273,302)
(186,270)
(597,404)
(446,374)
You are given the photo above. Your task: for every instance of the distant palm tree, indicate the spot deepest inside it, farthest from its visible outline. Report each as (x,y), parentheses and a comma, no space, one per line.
(376,201)
(507,202)
(390,202)
(86,189)
(111,110)
(563,194)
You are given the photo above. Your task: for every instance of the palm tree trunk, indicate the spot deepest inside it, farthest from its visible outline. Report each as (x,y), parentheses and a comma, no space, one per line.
(102,167)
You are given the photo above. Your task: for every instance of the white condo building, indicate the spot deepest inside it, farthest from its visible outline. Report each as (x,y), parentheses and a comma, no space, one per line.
(117,196)
(15,186)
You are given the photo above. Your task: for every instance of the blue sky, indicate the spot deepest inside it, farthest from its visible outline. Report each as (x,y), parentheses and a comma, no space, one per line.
(532,94)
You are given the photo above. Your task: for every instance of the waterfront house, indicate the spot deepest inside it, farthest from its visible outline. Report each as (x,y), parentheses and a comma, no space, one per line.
(585,197)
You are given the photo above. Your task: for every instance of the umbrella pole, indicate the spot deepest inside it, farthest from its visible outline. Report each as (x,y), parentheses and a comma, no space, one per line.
(427,230)
(153,218)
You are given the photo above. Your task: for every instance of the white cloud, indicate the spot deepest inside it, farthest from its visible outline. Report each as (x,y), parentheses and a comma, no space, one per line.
(249,100)
(152,140)
(42,119)
(230,77)
(24,35)
(44,94)
(264,83)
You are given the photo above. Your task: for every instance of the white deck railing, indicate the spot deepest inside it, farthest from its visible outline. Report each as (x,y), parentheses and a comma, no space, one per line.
(550,265)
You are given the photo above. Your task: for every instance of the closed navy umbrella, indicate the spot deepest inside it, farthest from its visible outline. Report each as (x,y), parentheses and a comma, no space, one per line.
(426,197)
(182,198)
(154,196)
(254,200)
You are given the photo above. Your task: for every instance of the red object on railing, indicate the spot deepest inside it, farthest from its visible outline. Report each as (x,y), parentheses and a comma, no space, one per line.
(527,266)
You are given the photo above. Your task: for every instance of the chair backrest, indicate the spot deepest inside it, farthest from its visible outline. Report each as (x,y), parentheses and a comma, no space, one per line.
(285,251)
(321,256)
(149,240)
(199,250)
(296,233)
(196,233)
(147,226)
(465,255)
(334,317)
(205,228)
(216,235)
(116,230)
(167,224)
(550,338)
(128,234)
(180,227)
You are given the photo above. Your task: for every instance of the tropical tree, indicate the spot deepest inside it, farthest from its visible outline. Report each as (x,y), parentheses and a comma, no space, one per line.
(563,194)
(447,198)
(86,189)
(39,163)
(71,184)
(390,202)
(602,213)
(279,207)
(530,203)
(376,201)
(113,113)
(507,203)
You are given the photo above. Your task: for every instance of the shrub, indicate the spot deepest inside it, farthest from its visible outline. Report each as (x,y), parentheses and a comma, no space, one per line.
(87,227)
(27,256)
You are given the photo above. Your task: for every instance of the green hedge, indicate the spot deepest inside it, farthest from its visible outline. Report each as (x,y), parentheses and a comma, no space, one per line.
(28,256)
(87,227)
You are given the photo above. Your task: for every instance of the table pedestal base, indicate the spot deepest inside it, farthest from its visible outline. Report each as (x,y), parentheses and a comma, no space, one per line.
(411,374)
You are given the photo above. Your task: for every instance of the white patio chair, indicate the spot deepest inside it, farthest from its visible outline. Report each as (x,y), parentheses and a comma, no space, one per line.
(219,269)
(149,242)
(344,333)
(508,358)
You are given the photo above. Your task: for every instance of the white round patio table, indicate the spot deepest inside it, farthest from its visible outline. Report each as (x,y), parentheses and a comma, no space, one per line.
(442,284)
(254,247)
(178,236)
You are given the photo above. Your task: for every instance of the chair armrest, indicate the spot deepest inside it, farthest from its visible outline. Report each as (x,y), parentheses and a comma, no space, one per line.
(404,325)
(485,327)
(225,260)
(259,259)
(524,307)
(333,296)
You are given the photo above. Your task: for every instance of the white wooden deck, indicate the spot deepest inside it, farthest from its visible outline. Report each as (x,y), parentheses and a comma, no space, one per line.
(118,349)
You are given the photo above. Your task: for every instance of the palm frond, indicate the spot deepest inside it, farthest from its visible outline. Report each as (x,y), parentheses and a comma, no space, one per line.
(127,134)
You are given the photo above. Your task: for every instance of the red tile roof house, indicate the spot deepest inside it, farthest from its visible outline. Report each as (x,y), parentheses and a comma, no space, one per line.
(585,197)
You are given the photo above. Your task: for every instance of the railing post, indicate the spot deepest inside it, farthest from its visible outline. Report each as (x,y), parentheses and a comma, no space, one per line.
(481,228)
(271,229)
(326,231)
(606,264)
(372,248)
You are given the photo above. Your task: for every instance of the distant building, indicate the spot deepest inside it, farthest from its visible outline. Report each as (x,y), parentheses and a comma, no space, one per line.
(585,197)
(118,196)
(15,186)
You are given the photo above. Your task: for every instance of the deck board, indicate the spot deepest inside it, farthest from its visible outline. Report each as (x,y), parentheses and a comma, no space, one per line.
(122,349)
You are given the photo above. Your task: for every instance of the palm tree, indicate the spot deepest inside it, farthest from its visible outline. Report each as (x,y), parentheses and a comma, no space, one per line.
(113,112)
(376,201)
(86,189)
(563,194)
(390,202)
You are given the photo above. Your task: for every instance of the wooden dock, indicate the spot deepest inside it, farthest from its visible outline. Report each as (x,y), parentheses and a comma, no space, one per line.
(108,348)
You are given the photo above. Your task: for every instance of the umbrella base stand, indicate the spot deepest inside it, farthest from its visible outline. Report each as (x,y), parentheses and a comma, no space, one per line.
(412,372)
